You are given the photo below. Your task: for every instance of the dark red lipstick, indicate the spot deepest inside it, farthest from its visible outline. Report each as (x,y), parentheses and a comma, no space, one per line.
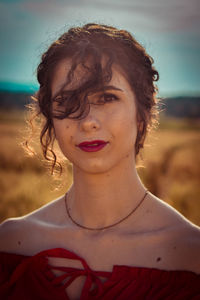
(92,146)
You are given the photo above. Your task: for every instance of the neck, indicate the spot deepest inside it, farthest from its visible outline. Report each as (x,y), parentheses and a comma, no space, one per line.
(98,200)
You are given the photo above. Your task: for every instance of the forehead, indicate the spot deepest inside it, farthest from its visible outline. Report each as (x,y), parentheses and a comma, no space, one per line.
(80,75)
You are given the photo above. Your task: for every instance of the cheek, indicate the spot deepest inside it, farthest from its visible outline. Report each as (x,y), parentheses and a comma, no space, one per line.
(127,123)
(63,132)
(126,133)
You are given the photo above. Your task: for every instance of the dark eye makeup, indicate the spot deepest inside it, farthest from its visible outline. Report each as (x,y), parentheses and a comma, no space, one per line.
(104,98)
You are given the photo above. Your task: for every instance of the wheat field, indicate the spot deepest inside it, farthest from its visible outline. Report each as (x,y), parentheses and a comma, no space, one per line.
(169,167)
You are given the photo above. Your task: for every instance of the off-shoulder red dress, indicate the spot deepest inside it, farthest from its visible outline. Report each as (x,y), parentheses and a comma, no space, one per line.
(31,277)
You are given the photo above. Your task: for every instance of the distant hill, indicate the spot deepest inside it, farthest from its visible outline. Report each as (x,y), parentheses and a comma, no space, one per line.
(14,100)
(179,107)
(14,95)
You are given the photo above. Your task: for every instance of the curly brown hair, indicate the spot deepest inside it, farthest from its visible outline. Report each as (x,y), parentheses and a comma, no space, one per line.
(93,42)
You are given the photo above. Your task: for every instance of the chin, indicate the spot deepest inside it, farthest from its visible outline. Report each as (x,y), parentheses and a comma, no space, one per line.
(94,167)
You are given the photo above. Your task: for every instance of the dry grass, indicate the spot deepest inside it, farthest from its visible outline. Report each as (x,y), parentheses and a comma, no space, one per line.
(171,169)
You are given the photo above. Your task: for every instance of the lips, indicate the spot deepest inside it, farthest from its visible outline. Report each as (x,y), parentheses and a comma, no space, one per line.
(92,146)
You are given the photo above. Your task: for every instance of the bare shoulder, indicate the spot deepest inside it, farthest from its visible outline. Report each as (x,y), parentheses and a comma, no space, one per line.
(182,238)
(10,232)
(188,247)
(28,230)
(164,214)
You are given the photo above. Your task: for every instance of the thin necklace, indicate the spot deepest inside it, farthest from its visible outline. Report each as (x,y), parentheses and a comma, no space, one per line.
(105,227)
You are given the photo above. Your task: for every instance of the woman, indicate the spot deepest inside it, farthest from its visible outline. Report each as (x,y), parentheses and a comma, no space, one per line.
(108,237)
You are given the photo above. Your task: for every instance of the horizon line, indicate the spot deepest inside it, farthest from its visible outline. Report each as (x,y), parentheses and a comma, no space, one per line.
(17,87)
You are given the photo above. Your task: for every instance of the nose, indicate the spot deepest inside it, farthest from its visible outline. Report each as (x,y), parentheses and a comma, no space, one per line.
(90,122)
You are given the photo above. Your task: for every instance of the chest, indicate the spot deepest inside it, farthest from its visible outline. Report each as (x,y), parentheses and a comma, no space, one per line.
(102,251)
(100,254)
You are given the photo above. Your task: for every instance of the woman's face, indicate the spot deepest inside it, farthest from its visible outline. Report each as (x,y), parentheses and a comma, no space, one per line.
(110,128)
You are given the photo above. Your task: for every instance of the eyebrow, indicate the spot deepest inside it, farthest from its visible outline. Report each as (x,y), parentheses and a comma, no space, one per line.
(110,87)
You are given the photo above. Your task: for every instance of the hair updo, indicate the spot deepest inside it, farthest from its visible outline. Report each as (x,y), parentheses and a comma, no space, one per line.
(91,43)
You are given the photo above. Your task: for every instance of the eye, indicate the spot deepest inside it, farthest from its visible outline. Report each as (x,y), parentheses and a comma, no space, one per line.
(58,107)
(57,103)
(106,98)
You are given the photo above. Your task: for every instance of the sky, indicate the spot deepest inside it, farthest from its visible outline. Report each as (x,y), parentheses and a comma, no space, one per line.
(169,30)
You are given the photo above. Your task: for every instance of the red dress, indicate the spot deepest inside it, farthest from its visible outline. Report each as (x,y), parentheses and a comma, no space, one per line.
(31,278)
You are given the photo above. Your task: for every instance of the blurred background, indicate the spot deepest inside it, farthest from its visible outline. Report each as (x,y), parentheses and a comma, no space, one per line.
(169,30)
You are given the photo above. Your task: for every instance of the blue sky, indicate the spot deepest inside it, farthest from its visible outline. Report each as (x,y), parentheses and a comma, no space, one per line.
(169,29)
